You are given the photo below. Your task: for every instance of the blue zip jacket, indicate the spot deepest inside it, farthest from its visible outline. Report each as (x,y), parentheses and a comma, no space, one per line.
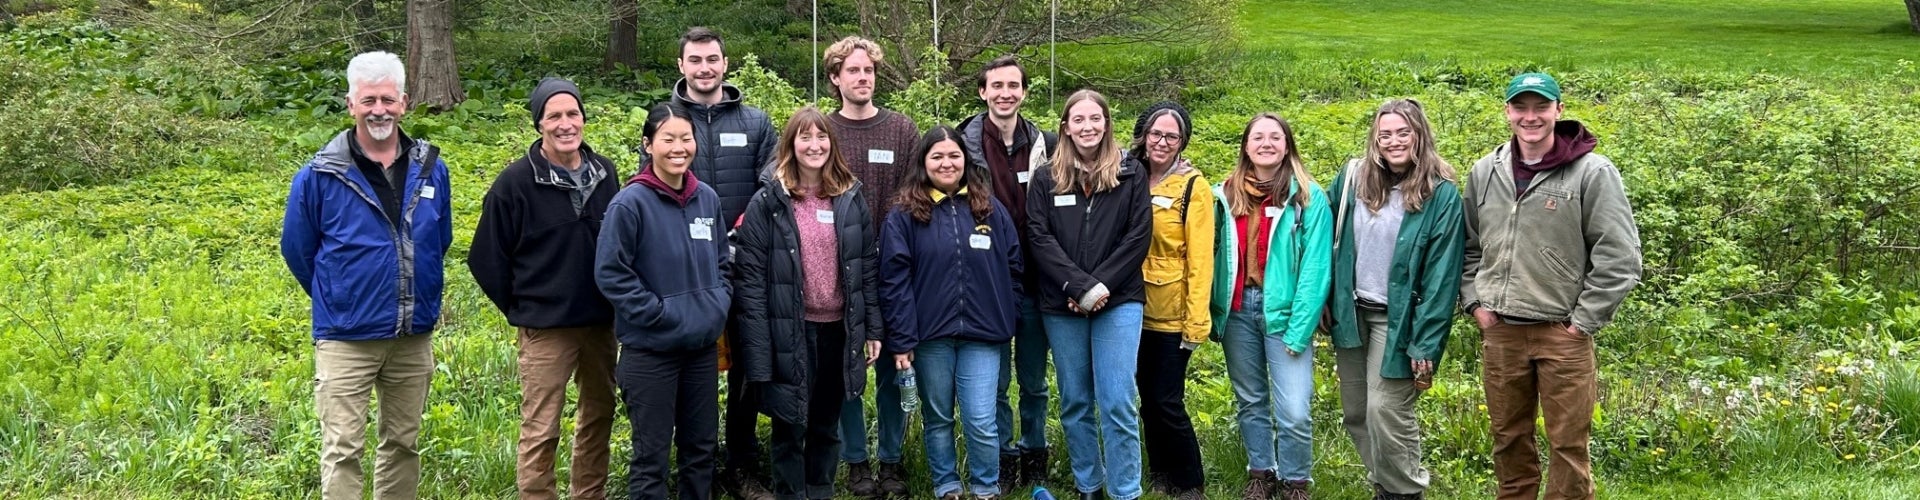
(367,279)
(936,281)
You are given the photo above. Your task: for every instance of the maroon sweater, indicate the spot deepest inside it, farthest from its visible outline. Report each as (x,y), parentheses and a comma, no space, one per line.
(865,144)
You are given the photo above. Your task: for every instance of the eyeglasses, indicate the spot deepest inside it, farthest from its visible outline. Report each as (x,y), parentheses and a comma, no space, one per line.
(1160,138)
(1402,134)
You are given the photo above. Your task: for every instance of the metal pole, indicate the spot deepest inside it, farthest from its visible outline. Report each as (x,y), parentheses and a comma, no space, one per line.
(936,46)
(813,96)
(1053,56)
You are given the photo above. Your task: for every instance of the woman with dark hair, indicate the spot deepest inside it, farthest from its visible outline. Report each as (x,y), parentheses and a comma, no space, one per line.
(1271,278)
(950,272)
(810,321)
(1090,220)
(662,261)
(1179,276)
(1396,277)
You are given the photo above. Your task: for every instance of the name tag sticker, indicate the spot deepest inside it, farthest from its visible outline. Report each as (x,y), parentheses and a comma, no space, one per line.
(824,216)
(1163,202)
(1065,200)
(1273,212)
(700,231)
(426,192)
(733,140)
(980,242)
(880,156)
(1025,176)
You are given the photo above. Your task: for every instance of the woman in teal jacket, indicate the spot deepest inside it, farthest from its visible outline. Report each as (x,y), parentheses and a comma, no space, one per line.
(1271,273)
(1395,277)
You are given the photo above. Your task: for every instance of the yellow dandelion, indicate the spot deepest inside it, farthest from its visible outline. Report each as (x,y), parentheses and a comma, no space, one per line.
(1822,389)
(1483,407)
(1786,402)
(1848,457)
(1658,451)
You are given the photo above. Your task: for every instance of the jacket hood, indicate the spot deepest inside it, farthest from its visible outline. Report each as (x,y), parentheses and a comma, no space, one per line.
(729,96)
(337,155)
(645,177)
(1571,140)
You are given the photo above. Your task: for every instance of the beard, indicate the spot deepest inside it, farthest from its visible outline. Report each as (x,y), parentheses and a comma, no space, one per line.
(380,129)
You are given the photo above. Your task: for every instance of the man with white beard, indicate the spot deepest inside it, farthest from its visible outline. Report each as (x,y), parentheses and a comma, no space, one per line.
(366,232)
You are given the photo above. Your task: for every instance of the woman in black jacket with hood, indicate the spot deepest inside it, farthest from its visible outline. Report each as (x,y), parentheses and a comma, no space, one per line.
(807,267)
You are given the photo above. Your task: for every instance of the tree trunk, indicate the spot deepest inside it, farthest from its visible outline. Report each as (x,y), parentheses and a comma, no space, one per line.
(623,44)
(801,9)
(364,16)
(1913,14)
(433,78)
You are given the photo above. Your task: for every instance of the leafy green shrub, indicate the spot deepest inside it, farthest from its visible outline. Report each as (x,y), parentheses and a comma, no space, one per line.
(78,138)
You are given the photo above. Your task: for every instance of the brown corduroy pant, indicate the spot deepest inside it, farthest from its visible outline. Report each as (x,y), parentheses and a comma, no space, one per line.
(1541,365)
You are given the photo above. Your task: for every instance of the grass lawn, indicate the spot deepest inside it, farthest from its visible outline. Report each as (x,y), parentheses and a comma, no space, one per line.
(1791,36)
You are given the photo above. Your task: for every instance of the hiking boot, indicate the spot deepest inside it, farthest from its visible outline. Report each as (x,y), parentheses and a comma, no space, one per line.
(893,480)
(1260,485)
(1157,483)
(1381,493)
(1093,495)
(745,486)
(1295,489)
(1033,466)
(860,480)
(952,495)
(1009,471)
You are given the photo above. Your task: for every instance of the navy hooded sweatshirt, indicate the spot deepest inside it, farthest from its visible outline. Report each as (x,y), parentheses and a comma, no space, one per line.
(662,262)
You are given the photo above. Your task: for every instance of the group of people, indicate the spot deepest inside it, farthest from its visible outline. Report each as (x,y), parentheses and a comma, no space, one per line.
(967,258)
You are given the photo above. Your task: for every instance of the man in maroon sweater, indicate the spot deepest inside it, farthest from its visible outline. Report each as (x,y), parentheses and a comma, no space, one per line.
(876,143)
(1011,148)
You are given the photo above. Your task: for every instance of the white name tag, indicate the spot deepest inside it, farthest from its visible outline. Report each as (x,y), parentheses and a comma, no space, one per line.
(1273,212)
(733,140)
(880,156)
(1163,202)
(1025,176)
(426,192)
(824,216)
(980,242)
(1065,200)
(700,231)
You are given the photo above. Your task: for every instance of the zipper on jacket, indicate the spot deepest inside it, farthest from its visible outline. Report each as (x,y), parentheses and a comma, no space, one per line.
(403,321)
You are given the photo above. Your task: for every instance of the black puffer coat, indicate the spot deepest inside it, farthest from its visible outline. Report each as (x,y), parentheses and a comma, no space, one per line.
(735,141)
(774,349)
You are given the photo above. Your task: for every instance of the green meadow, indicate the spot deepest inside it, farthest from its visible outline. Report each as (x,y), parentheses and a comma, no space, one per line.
(160,349)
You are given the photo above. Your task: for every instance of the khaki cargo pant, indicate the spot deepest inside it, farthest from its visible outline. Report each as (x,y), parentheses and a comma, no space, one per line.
(548,357)
(346,375)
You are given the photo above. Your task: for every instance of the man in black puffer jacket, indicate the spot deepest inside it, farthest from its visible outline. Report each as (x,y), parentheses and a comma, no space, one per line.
(735,141)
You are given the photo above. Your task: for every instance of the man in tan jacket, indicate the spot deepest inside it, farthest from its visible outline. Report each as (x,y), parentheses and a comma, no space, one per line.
(1551,251)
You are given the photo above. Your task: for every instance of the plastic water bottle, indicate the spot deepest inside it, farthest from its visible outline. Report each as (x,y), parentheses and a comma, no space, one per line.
(909,391)
(1040,493)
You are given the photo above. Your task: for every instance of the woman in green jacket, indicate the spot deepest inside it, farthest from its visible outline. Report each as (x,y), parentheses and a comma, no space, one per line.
(1271,270)
(1395,278)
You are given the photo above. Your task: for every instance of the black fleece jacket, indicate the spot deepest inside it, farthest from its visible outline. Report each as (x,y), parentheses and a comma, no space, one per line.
(532,255)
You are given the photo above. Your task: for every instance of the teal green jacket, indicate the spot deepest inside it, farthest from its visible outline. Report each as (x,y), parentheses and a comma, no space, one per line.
(1299,267)
(1421,288)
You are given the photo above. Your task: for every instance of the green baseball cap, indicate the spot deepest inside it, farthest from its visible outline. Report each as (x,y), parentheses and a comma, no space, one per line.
(1538,83)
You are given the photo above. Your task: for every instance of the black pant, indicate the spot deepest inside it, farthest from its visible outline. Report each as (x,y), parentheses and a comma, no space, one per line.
(808,455)
(743,443)
(671,396)
(1166,432)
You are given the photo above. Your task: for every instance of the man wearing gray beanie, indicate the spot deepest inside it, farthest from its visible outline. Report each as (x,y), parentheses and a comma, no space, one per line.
(533,255)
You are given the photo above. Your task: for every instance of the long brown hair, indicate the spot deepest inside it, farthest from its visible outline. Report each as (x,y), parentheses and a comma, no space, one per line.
(835,177)
(915,185)
(1241,203)
(1370,179)
(1104,173)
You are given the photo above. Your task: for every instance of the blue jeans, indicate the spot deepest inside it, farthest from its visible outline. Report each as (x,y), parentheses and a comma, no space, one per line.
(892,422)
(966,371)
(1027,356)
(1269,383)
(1096,358)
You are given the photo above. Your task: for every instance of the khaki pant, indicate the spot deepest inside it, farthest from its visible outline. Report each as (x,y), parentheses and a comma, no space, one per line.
(548,357)
(1380,413)
(346,374)
(1540,364)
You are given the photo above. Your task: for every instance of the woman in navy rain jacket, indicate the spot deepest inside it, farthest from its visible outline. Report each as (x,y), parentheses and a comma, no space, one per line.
(950,273)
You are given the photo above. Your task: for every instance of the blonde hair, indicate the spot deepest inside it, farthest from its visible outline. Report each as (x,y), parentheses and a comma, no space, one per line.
(1104,173)
(1241,203)
(835,178)
(837,54)
(1370,183)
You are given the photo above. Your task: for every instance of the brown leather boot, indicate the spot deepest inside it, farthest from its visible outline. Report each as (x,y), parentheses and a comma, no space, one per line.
(1260,485)
(860,480)
(893,480)
(1295,489)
